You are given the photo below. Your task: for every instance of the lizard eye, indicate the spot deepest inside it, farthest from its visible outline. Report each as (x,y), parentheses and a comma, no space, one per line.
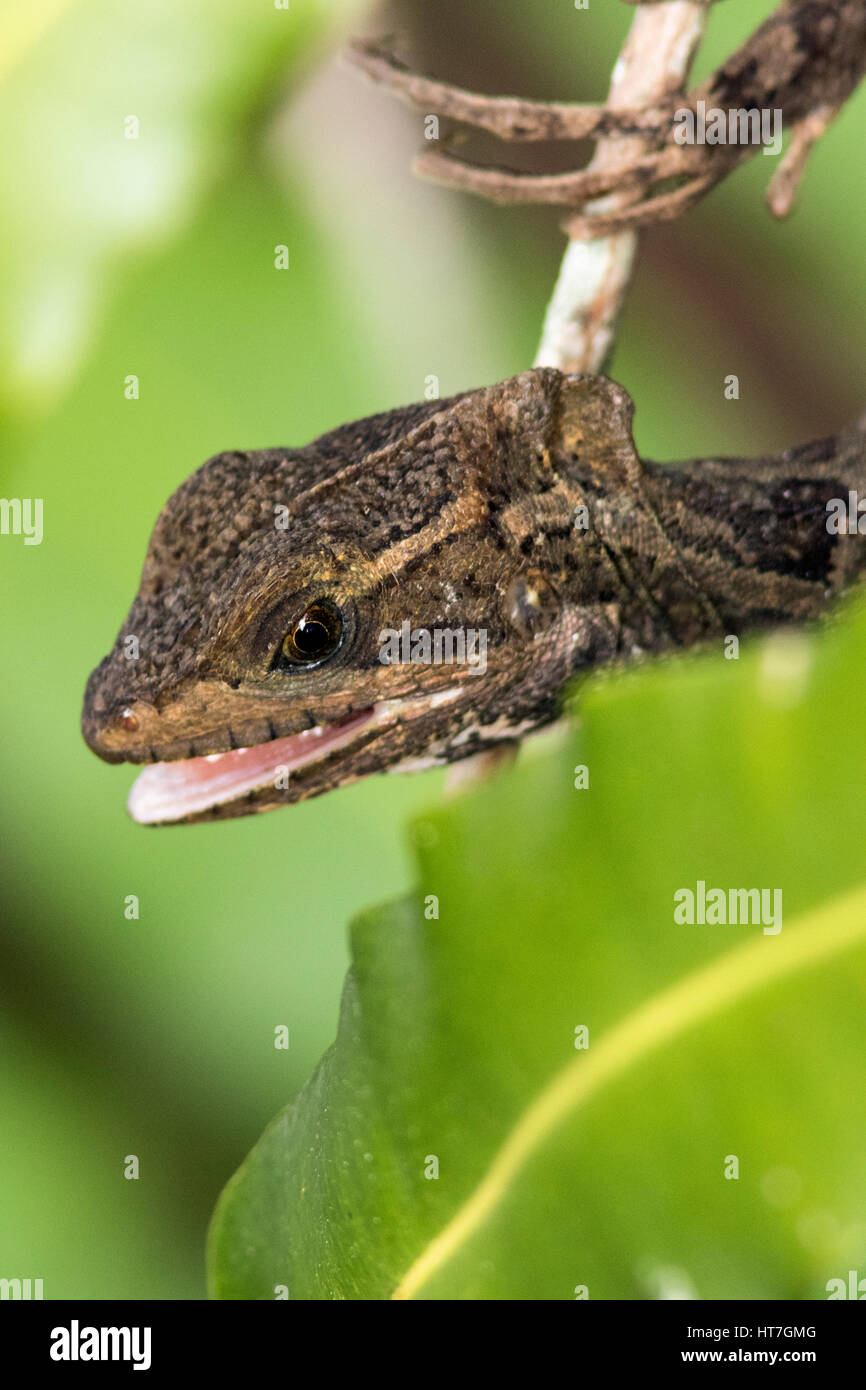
(314,637)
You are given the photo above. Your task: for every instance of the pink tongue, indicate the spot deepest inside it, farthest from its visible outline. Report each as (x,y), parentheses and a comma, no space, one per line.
(169,791)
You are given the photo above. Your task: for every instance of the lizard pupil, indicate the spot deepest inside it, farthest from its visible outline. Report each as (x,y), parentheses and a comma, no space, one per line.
(311,637)
(315,636)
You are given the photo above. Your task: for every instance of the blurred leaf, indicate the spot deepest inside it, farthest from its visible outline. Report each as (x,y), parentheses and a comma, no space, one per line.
(81,195)
(156,1037)
(606,1167)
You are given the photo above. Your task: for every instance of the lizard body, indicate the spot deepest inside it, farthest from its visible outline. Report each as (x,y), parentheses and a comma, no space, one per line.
(521,510)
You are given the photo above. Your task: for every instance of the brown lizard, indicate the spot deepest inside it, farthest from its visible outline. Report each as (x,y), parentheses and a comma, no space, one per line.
(250,670)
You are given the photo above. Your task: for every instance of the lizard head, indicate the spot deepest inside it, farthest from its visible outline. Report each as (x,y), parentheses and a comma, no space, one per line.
(389,596)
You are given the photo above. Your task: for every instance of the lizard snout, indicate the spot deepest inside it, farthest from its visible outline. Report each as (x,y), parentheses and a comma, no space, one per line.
(116,732)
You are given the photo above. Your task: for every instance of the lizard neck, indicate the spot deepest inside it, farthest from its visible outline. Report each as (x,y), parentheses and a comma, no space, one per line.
(685,552)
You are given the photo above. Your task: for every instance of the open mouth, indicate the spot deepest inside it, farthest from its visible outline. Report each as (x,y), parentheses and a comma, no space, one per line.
(166,792)
(172,791)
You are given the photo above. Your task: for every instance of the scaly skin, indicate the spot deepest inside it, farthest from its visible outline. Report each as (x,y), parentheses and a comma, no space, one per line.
(521,509)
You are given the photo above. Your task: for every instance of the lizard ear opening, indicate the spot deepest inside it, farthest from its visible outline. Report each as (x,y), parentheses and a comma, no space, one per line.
(594,428)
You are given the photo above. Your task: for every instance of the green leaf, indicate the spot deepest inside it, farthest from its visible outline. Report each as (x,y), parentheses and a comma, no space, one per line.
(83,196)
(709,1142)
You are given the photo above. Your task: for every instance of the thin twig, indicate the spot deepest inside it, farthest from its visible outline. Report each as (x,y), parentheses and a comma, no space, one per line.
(580,321)
(581,318)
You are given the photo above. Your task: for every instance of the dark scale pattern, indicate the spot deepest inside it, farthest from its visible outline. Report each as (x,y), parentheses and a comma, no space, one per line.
(451,515)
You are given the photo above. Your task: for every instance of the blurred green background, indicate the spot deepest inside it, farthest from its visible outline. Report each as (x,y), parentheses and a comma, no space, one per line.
(154,257)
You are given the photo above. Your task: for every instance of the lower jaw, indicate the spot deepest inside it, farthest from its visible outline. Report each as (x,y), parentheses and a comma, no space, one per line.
(181,790)
(224,784)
